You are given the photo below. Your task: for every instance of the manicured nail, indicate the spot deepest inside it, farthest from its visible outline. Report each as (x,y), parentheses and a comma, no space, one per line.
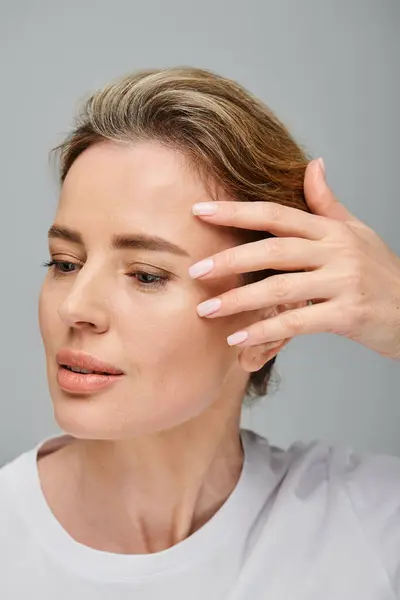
(237,338)
(208,307)
(201,268)
(204,208)
(322,165)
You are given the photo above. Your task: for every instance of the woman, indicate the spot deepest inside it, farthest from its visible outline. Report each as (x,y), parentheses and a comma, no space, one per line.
(181,191)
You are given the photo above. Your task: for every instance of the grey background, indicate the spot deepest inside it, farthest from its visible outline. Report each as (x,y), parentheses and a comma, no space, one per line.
(329,69)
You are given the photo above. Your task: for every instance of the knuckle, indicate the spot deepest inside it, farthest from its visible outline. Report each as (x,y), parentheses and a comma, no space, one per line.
(273,211)
(234,210)
(275,245)
(351,278)
(229,258)
(352,319)
(361,315)
(280,285)
(263,330)
(352,243)
(343,230)
(352,251)
(294,320)
(344,326)
(342,236)
(356,276)
(235,298)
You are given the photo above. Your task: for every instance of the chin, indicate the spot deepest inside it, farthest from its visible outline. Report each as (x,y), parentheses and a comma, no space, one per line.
(89,418)
(84,417)
(108,415)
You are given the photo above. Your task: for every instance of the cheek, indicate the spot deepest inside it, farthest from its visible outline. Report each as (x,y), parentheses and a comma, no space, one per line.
(47,314)
(166,331)
(179,362)
(42,310)
(175,335)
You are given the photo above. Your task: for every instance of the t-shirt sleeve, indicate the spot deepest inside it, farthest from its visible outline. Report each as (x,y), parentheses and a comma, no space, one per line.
(372,483)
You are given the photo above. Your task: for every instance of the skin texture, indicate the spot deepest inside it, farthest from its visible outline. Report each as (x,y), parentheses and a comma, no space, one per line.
(155,456)
(170,424)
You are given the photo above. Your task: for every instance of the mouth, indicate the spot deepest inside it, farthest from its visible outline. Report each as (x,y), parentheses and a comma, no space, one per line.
(88,372)
(81,374)
(85,364)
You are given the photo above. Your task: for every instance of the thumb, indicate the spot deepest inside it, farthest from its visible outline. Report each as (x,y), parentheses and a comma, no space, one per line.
(319,196)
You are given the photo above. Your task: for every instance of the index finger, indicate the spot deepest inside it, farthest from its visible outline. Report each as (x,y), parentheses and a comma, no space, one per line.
(275,218)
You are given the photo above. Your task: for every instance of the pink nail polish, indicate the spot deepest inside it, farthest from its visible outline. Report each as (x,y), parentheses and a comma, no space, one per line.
(237,338)
(201,268)
(208,307)
(204,208)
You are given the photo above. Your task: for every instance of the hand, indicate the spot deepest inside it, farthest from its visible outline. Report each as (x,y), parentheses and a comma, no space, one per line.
(351,274)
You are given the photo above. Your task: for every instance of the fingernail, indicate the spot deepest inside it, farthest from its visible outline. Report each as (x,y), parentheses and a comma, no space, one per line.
(204,208)
(208,307)
(237,338)
(201,268)
(322,165)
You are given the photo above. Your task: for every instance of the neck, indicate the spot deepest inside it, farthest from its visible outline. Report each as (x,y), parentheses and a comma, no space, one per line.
(146,494)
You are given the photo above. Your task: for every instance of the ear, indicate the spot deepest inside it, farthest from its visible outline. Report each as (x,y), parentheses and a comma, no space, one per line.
(253,358)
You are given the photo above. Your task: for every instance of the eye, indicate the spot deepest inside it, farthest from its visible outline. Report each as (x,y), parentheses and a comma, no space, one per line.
(144,279)
(149,280)
(61,266)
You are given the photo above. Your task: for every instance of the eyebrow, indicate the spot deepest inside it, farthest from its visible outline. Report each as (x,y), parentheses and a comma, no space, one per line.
(121,242)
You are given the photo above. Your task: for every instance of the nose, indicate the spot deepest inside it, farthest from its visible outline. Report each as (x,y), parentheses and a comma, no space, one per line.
(85,305)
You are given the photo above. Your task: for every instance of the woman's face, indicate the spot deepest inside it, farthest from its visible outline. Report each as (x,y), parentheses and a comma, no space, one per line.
(133,305)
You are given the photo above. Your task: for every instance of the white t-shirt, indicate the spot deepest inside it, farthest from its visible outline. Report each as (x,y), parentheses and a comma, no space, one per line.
(312,522)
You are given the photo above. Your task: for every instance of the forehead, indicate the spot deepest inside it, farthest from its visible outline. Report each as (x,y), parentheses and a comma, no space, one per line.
(144,187)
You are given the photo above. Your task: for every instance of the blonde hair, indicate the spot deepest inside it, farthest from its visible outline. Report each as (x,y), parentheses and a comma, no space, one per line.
(227,134)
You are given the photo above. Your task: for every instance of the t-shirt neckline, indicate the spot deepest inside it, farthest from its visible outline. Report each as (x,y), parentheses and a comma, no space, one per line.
(230,521)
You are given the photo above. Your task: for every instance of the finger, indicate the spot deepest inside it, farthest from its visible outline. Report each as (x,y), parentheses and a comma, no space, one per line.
(265,216)
(320,197)
(281,254)
(308,319)
(272,291)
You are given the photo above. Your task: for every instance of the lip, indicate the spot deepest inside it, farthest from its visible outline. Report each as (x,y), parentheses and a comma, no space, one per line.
(81,360)
(81,383)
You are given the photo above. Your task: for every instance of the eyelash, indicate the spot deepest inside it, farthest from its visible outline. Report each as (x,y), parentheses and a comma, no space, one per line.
(56,266)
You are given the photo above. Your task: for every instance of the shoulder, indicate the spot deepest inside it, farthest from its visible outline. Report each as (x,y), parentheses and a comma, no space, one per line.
(315,473)
(22,503)
(367,485)
(11,470)
(15,478)
(372,484)
(16,472)
(19,477)
(370,481)
(21,473)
